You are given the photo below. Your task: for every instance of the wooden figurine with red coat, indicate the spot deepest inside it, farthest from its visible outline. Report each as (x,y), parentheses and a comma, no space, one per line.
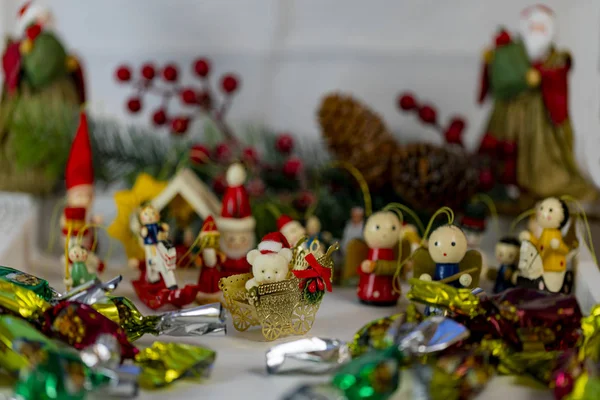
(377,258)
(209,260)
(236,223)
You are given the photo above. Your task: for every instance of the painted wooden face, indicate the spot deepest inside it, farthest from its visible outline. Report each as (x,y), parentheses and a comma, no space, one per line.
(447,244)
(550,213)
(77,254)
(507,253)
(382,230)
(149,215)
(293,232)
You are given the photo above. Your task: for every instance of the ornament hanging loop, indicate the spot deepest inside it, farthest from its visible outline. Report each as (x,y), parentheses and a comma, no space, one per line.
(589,243)
(362,183)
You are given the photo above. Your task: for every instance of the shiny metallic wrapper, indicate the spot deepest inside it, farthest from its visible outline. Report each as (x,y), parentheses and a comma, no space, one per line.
(91,292)
(311,355)
(197,321)
(315,392)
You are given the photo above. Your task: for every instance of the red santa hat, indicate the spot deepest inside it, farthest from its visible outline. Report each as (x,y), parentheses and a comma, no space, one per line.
(80,170)
(236,214)
(28,14)
(283,220)
(209,227)
(273,242)
(75,213)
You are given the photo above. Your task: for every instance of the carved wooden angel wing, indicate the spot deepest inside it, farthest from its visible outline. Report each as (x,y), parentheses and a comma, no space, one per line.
(422,263)
(472,262)
(570,237)
(356,252)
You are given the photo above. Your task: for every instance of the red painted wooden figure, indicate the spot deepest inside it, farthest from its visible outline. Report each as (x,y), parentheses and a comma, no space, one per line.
(209,260)
(376,272)
(236,223)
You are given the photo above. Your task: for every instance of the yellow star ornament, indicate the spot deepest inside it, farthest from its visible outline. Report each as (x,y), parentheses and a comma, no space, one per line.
(127,202)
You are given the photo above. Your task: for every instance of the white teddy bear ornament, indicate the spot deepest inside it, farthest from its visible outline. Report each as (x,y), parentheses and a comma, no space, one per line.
(271,261)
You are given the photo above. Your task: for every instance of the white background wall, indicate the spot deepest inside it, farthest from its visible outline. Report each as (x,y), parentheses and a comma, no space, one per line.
(290,52)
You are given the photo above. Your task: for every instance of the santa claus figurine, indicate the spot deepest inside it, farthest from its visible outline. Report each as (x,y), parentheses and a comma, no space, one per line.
(291,229)
(79,179)
(209,261)
(31,14)
(236,223)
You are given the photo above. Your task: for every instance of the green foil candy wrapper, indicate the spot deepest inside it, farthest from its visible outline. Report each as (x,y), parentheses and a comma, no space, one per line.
(164,363)
(21,301)
(13,329)
(373,376)
(39,286)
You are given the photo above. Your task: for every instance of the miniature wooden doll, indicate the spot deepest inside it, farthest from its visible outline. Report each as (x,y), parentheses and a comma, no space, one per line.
(507,255)
(79,272)
(236,223)
(354,227)
(210,261)
(409,233)
(447,259)
(291,229)
(159,256)
(552,215)
(376,271)
(271,261)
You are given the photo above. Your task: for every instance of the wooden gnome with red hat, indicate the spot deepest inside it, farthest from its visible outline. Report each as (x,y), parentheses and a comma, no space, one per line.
(79,180)
(209,260)
(271,261)
(236,223)
(291,229)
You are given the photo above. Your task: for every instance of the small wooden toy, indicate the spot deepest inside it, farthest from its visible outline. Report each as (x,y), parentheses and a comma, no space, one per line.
(271,261)
(377,259)
(77,273)
(209,260)
(507,255)
(447,259)
(552,215)
(236,223)
(531,273)
(291,229)
(354,227)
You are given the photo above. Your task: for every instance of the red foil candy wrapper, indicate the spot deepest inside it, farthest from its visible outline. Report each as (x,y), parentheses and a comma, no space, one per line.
(528,320)
(80,325)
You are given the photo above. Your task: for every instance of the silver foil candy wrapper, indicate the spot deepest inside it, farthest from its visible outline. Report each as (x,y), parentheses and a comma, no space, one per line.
(434,334)
(311,355)
(91,292)
(197,321)
(104,353)
(123,383)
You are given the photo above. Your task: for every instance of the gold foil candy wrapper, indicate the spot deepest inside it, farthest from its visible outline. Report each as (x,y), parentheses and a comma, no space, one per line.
(20,301)
(437,294)
(164,363)
(375,335)
(311,355)
(590,327)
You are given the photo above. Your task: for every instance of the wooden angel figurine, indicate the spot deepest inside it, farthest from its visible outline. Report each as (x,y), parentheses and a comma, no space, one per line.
(378,259)
(158,256)
(79,273)
(447,259)
(209,260)
(552,215)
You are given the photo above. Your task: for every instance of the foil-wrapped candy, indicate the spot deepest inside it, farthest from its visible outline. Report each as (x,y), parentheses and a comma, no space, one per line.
(311,355)
(39,286)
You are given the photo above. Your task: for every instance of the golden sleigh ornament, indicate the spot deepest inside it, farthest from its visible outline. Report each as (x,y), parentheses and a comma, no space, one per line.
(280,308)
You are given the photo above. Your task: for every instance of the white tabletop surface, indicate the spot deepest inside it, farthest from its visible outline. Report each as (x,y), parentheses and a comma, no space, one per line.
(239,371)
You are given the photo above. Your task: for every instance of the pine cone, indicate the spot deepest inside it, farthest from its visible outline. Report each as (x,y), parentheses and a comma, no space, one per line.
(428,177)
(357,135)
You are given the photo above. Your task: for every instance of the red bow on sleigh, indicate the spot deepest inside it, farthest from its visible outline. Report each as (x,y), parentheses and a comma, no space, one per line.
(316,271)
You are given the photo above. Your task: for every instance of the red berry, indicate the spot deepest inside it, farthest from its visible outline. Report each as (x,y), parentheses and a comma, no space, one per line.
(458,122)
(33,31)
(250,155)
(180,125)
(256,187)
(320,284)
(229,83)
(509,149)
(222,152)
(428,114)
(503,38)
(159,117)
(123,73)
(488,144)
(407,102)
(302,284)
(188,96)
(292,167)
(312,286)
(148,71)
(134,105)
(486,179)
(199,154)
(453,135)
(220,185)
(304,201)
(202,67)
(284,143)
(170,73)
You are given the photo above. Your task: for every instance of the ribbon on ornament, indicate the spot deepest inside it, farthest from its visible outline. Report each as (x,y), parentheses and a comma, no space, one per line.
(316,271)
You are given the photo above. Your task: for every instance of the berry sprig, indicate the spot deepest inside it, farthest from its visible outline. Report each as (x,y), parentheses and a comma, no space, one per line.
(428,115)
(201,98)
